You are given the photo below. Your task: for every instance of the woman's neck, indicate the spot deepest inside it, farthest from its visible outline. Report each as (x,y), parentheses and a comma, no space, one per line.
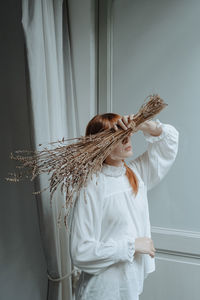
(112,162)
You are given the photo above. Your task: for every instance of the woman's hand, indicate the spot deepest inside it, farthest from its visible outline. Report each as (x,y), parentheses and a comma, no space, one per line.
(145,245)
(148,126)
(123,122)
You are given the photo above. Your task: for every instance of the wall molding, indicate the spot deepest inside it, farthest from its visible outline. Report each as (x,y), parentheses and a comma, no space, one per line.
(167,241)
(176,242)
(105,56)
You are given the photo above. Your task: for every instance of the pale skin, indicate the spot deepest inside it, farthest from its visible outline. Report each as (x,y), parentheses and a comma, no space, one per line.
(115,158)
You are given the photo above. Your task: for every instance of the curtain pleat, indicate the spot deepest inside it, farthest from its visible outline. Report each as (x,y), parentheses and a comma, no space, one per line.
(54,115)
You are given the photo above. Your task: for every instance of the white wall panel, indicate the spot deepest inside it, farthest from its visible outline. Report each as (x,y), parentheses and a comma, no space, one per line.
(154,47)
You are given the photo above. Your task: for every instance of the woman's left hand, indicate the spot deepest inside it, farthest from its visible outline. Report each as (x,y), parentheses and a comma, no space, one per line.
(123,122)
(148,126)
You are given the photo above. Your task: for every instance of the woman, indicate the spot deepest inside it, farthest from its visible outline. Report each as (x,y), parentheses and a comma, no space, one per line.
(110,235)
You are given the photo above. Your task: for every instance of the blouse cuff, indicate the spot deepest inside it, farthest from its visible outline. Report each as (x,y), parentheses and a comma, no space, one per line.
(150,138)
(126,250)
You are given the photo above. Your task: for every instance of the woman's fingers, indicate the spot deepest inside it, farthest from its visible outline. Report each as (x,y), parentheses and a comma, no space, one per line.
(131,117)
(125,119)
(115,127)
(123,122)
(152,253)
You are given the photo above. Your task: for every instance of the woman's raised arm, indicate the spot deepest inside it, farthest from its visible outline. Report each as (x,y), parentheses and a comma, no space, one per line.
(161,152)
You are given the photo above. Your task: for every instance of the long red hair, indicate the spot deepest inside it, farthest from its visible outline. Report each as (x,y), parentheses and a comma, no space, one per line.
(101,122)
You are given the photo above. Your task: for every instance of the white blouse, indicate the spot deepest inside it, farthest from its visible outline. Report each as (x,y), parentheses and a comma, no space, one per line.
(104,229)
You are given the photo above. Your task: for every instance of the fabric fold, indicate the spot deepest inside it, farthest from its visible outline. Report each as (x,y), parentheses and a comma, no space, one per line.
(126,250)
(156,161)
(88,252)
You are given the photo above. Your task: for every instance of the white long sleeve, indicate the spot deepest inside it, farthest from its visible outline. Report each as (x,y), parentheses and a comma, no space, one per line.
(88,252)
(103,230)
(161,152)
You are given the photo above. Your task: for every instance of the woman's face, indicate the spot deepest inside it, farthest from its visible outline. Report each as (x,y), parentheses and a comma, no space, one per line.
(122,150)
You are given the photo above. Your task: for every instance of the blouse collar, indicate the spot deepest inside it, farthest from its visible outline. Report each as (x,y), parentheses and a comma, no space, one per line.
(110,170)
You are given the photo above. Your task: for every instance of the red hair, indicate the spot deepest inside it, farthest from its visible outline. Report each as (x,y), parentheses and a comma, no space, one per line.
(101,122)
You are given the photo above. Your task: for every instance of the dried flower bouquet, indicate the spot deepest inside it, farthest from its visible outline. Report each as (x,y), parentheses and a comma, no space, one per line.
(71,166)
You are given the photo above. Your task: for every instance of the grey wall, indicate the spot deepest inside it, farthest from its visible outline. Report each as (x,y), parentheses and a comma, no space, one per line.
(22,264)
(83,34)
(154,47)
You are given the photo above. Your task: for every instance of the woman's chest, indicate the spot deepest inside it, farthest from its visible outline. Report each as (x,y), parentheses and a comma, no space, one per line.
(121,205)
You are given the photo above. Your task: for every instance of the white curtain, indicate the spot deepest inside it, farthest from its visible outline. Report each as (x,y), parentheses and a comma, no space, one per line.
(54,115)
